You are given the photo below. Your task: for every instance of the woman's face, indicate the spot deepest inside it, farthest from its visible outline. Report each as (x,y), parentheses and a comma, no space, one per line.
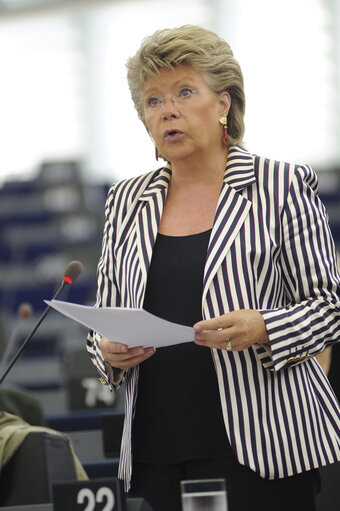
(182,114)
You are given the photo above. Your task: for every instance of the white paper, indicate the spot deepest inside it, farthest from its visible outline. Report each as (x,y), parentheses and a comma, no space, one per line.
(134,327)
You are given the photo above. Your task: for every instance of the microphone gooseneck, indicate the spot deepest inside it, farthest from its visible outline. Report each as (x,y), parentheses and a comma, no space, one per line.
(71,273)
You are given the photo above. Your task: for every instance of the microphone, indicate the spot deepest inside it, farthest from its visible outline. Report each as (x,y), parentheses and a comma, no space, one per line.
(25,310)
(71,273)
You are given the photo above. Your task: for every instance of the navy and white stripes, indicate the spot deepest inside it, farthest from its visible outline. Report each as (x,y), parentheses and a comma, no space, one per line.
(270,249)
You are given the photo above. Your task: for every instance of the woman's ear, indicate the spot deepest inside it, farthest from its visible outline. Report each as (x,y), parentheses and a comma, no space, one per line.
(225,103)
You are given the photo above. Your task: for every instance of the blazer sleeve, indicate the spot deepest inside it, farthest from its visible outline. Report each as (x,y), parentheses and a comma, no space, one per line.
(107,294)
(311,319)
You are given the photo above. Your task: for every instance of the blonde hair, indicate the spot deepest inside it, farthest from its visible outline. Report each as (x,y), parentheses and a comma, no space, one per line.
(206,52)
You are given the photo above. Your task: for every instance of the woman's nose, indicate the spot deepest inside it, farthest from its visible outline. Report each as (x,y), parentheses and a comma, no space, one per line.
(169,108)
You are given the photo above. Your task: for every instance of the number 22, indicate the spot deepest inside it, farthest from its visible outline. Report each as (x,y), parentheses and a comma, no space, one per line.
(104,493)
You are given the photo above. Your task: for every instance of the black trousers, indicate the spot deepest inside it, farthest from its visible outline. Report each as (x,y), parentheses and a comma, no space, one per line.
(159,485)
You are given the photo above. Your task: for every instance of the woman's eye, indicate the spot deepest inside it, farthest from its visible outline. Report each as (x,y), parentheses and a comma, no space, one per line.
(153,101)
(185,92)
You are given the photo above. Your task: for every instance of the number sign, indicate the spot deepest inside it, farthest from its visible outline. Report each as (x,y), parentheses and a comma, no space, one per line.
(95,495)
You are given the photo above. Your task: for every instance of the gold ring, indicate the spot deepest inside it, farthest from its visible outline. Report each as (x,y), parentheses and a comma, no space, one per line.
(226,345)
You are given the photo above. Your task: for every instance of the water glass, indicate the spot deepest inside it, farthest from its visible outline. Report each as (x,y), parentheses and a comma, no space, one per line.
(204,495)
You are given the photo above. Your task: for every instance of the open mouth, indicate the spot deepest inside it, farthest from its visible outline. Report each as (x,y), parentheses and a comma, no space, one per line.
(172,134)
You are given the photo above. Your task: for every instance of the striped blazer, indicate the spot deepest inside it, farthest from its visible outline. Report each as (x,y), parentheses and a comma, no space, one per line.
(270,249)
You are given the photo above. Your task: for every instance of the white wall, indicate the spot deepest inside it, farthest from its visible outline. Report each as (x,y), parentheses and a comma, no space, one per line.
(63,90)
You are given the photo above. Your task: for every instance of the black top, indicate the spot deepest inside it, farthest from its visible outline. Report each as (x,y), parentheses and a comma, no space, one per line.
(334,371)
(178,411)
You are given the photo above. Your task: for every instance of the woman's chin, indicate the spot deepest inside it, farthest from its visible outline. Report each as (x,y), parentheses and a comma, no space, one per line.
(177,154)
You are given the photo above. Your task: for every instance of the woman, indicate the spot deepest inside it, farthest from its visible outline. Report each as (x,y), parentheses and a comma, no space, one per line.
(238,246)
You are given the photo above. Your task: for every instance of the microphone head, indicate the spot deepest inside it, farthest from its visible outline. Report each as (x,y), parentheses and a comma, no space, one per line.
(24,310)
(72,271)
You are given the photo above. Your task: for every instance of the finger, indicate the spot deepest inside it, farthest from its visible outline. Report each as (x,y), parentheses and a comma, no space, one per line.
(218,335)
(112,347)
(219,323)
(134,360)
(213,338)
(131,353)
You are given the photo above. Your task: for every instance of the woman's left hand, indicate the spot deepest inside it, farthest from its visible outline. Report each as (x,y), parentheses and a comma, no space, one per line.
(234,331)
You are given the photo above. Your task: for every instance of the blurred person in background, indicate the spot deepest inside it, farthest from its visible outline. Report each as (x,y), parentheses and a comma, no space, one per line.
(237,246)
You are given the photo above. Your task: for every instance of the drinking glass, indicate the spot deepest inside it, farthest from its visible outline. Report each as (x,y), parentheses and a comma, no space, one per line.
(204,495)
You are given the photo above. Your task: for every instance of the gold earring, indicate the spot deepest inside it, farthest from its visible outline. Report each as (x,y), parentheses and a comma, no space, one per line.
(224,122)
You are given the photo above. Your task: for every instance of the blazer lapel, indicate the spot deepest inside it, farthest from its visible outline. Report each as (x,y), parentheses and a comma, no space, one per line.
(232,210)
(148,218)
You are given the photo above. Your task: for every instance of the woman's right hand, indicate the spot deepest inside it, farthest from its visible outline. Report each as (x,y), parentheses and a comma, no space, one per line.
(120,356)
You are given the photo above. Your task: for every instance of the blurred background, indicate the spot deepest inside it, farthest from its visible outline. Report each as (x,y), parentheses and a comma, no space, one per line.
(68,130)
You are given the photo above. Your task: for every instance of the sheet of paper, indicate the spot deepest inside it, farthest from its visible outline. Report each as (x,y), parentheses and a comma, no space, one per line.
(134,327)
